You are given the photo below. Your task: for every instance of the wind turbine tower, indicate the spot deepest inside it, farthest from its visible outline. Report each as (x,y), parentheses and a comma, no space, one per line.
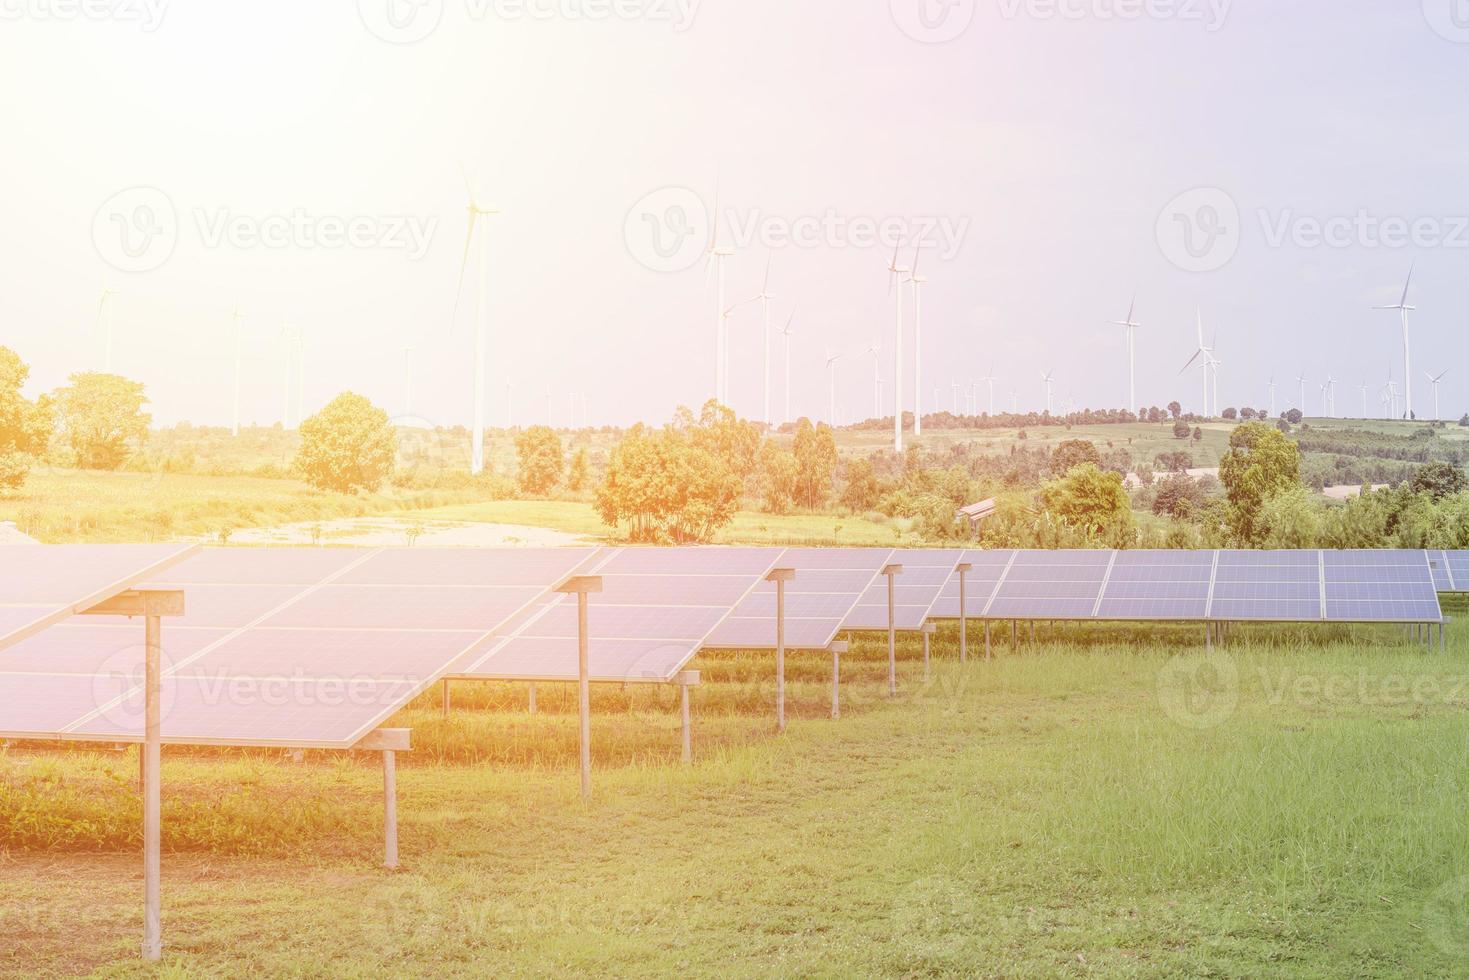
(1403,310)
(1130,325)
(895,283)
(918,283)
(482,321)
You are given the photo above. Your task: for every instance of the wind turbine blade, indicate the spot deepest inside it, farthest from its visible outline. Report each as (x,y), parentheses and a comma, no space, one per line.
(468,187)
(1407,285)
(1191,361)
(917,254)
(464,261)
(765,287)
(1132,309)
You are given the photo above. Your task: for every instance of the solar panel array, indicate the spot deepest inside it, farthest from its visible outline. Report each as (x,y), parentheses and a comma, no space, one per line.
(925,573)
(1450,570)
(1182,586)
(44,585)
(827,585)
(655,610)
(299,648)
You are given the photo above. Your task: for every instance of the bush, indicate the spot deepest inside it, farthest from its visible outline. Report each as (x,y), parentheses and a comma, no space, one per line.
(539,455)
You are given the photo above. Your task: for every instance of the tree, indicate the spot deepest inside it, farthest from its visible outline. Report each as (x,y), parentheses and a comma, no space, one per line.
(1247,414)
(862,489)
(541,460)
(1231,414)
(1181,430)
(1290,519)
(719,431)
(25,426)
(779,475)
(1198,435)
(1439,480)
(349,446)
(1260,463)
(1175,409)
(579,472)
(816,462)
(665,488)
(1092,500)
(1073,452)
(100,414)
(1294,416)
(1179,495)
(1177,461)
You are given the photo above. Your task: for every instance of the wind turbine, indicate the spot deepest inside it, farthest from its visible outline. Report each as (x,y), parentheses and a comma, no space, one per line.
(786,333)
(104,322)
(1207,353)
(1301,379)
(876,351)
(954,387)
(716,255)
(895,281)
(831,397)
(1391,390)
(1131,326)
(990,380)
(765,297)
(482,320)
(1435,381)
(918,283)
(239,317)
(1049,378)
(1271,386)
(407,382)
(1404,309)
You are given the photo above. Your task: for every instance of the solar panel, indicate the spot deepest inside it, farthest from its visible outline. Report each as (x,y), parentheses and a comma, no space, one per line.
(1157,585)
(44,585)
(657,607)
(827,585)
(1051,585)
(1380,586)
(292,647)
(1458,562)
(980,581)
(1443,578)
(915,591)
(1267,586)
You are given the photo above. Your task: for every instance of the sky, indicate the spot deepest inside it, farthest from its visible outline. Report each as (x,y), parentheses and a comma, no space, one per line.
(1272,168)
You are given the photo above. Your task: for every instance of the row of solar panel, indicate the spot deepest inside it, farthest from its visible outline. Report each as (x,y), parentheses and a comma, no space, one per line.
(1262,586)
(318,647)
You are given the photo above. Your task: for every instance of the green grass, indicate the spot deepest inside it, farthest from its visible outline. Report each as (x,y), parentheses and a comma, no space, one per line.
(1089,805)
(59,506)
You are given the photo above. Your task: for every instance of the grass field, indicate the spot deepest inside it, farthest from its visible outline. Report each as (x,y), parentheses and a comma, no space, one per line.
(1106,802)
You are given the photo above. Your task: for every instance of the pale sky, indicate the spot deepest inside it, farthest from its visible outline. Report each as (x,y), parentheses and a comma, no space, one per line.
(1049,139)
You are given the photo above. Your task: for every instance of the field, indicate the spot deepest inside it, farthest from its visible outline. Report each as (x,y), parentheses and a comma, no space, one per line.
(1105,802)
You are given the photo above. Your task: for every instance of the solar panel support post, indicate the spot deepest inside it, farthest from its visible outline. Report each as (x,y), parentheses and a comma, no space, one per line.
(581,586)
(780,576)
(987,654)
(892,571)
(928,630)
(838,648)
(686,680)
(152,605)
(963,568)
(446,697)
(390,810)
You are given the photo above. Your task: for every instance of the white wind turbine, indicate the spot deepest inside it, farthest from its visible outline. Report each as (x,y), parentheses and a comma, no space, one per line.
(954,387)
(104,324)
(1214,364)
(482,320)
(1403,310)
(1435,382)
(786,335)
(1049,378)
(716,254)
(895,282)
(1390,391)
(763,298)
(239,318)
(990,380)
(1207,353)
(1302,380)
(1130,326)
(1271,386)
(831,394)
(876,351)
(407,382)
(918,283)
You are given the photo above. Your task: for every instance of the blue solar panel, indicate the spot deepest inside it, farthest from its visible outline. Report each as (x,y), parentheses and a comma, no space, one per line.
(979,584)
(827,585)
(916,590)
(1380,586)
(1051,585)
